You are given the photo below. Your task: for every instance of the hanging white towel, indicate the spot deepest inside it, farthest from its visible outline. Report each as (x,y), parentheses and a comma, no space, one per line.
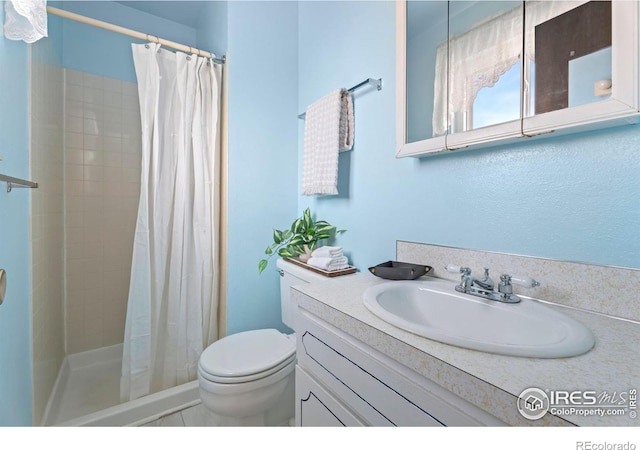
(328,130)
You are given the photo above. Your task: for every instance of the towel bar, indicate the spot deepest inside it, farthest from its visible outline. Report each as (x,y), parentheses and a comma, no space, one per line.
(17,182)
(368,82)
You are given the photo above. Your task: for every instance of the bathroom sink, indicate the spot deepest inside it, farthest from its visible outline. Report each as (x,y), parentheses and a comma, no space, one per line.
(433,309)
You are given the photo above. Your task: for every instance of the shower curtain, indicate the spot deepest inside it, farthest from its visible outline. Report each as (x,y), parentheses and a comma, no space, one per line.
(172,311)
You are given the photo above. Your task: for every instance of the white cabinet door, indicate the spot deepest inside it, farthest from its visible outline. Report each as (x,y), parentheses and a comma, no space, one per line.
(315,407)
(371,386)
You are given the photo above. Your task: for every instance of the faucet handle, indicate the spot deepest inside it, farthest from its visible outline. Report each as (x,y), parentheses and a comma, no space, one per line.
(505,285)
(452,268)
(527,282)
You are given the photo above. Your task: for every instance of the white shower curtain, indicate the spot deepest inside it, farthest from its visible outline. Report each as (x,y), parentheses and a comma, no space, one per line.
(173,304)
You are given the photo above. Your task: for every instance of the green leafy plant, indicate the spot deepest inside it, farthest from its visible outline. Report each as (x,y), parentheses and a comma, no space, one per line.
(301,237)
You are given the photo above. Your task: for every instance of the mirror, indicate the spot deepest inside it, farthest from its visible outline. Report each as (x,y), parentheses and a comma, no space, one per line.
(463,81)
(568,54)
(426,55)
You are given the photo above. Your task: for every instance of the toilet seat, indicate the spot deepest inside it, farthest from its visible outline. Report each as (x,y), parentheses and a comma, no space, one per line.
(246,378)
(246,356)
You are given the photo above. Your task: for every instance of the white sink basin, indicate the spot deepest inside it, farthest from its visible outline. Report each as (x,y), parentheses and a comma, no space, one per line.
(433,309)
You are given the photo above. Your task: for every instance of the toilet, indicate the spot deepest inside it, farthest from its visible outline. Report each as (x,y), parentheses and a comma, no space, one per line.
(247,379)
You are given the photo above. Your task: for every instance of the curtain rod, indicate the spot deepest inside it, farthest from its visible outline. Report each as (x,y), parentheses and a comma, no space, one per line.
(132,33)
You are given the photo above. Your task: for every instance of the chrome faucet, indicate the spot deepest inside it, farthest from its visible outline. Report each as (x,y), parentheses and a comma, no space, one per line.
(485,286)
(486,283)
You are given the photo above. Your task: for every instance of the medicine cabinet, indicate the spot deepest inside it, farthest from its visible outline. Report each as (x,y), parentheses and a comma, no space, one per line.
(478,73)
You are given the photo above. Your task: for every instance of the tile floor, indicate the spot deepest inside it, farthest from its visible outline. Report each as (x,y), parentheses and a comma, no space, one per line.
(189,417)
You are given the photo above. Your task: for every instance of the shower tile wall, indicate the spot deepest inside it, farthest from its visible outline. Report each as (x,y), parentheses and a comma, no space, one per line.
(47,225)
(102,188)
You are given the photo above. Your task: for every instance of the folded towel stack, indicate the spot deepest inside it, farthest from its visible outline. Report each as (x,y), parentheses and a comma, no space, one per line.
(328,258)
(327,252)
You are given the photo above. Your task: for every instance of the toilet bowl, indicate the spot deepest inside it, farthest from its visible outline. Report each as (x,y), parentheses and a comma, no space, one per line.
(247,379)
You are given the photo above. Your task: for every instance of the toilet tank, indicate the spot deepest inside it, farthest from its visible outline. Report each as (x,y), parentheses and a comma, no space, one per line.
(291,275)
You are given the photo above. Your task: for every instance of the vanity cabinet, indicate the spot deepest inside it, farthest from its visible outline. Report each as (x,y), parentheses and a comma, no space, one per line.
(472,74)
(341,381)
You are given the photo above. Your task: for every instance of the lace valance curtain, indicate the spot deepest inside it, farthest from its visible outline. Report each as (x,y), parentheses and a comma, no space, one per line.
(480,56)
(25,20)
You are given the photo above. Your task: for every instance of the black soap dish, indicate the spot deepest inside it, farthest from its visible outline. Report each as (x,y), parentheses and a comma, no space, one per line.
(394,270)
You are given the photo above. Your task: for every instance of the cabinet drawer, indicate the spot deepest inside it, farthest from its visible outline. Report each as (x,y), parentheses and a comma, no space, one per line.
(315,407)
(379,390)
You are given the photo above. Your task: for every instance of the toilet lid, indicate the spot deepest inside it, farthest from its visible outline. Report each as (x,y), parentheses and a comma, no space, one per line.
(246,353)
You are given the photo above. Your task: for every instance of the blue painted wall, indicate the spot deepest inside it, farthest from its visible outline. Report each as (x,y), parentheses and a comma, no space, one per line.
(263,109)
(105,53)
(573,197)
(212,31)
(15,332)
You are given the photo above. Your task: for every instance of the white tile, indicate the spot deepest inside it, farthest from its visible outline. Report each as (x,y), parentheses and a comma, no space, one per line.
(93,204)
(93,112)
(74,235)
(93,189)
(93,250)
(131,190)
(172,420)
(112,128)
(94,96)
(73,187)
(74,124)
(92,142)
(113,159)
(74,219)
(74,140)
(130,103)
(112,85)
(73,77)
(112,114)
(129,88)
(74,93)
(131,175)
(74,108)
(93,158)
(113,100)
(113,188)
(74,203)
(112,144)
(92,126)
(93,173)
(114,174)
(94,280)
(73,172)
(197,416)
(75,251)
(131,160)
(92,81)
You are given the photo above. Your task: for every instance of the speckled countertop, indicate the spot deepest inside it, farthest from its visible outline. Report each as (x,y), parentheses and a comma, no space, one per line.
(492,382)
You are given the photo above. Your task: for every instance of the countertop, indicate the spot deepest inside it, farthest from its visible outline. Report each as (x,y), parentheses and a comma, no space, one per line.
(490,381)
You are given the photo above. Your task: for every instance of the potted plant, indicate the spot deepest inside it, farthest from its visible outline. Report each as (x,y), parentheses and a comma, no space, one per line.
(299,240)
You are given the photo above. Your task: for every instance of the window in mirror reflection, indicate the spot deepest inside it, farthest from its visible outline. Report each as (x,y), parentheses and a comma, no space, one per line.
(484,49)
(498,103)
